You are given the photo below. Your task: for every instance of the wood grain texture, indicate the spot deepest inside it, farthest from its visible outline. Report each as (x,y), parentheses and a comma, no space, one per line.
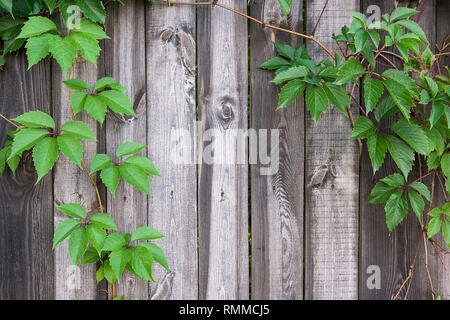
(171,108)
(223,188)
(277,199)
(72,184)
(331,171)
(26,209)
(124,60)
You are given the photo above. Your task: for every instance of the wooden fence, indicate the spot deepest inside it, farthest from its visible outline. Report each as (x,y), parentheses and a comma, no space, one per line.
(313,236)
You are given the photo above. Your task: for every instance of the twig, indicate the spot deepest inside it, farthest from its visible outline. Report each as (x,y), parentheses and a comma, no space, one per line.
(210,3)
(1,115)
(389,61)
(433,295)
(320,17)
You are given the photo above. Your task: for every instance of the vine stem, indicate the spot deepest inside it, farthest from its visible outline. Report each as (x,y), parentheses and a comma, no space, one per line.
(1,115)
(215,3)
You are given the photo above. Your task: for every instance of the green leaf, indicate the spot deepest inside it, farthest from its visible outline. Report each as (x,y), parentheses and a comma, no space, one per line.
(363,128)
(421,188)
(100,162)
(103,220)
(427,57)
(285,6)
(93,9)
(158,254)
(78,242)
(25,139)
(78,100)
(285,50)
(108,82)
(135,176)
(71,147)
(338,96)
(73,210)
(63,229)
(375,36)
(36,26)
(128,148)
(401,96)
(78,129)
(143,163)
(385,108)
(122,297)
(381,193)
(445,164)
(289,74)
(417,203)
(436,212)
(402,12)
(377,147)
(350,71)
(96,236)
(110,177)
(90,256)
(89,47)
(108,272)
(36,119)
(394,180)
(361,38)
(413,27)
(3,153)
(76,84)
(146,233)
(446,231)
(114,242)
(437,111)
(117,102)
(7,5)
(373,89)
(64,50)
(434,226)
(141,261)
(412,134)
(316,101)
(289,92)
(403,80)
(96,107)
(396,210)
(274,63)
(118,261)
(92,30)
(45,154)
(361,18)
(402,155)
(50,4)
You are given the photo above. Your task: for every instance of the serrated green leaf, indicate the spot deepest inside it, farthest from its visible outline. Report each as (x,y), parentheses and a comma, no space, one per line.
(290,74)
(36,26)
(50,4)
(118,261)
(73,210)
(141,261)
(93,9)
(108,82)
(108,272)
(25,139)
(78,129)
(110,177)
(35,119)
(375,36)
(401,97)
(7,5)
(386,107)
(437,111)
(402,12)
(361,37)
(45,154)
(412,134)
(146,233)
(92,30)
(402,155)
(64,50)
(115,241)
(89,47)
(158,254)
(274,63)
(144,163)
(403,80)
(128,148)
(135,176)
(338,96)
(417,203)
(434,226)
(285,6)
(394,180)
(63,230)
(446,231)
(350,71)
(90,256)
(71,147)
(78,100)
(361,18)
(381,193)
(421,188)
(77,84)
(445,164)
(427,57)
(103,220)
(285,50)
(117,102)
(289,92)
(99,275)
(363,128)
(373,89)
(96,236)
(377,147)
(413,27)
(96,107)
(316,101)
(100,162)
(396,210)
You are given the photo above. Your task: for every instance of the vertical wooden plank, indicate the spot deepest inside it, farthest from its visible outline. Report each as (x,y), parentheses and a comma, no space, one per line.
(71,184)
(26,219)
(223,188)
(124,60)
(277,199)
(171,109)
(331,217)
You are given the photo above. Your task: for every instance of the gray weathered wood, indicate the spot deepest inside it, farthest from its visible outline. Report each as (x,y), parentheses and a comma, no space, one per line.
(171,107)
(72,184)
(124,60)
(331,171)
(26,209)
(223,188)
(277,199)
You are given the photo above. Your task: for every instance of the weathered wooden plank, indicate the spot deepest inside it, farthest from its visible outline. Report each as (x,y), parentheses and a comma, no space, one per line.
(223,188)
(124,60)
(72,184)
(331,217)
(277,198)
(171,100)
(26,219)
